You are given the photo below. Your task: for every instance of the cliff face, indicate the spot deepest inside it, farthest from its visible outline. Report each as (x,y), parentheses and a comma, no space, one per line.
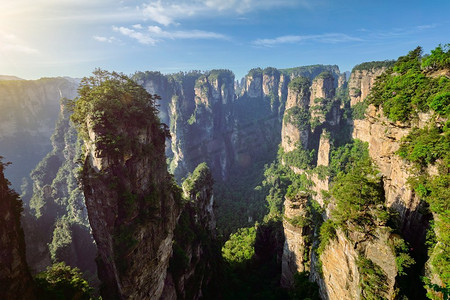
(199,108)
(28,112)
(339,267)
(384,137)
(293,133)
(151,243)
(342,265)
(360,83)
(132,224)
(194,253)
(296,250)
(132,201)
(15,279)
(210,121)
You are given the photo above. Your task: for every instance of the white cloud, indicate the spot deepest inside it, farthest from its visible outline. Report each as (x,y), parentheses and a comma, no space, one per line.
(13,44)
(331,38)
(139,36)
(154,34)
(104,39)
(157,31)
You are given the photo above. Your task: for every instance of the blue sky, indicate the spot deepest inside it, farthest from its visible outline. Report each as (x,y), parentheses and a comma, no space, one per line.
(45,38)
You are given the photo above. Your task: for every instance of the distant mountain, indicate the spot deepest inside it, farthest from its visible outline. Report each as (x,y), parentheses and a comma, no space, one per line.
(28,113)
(8,77)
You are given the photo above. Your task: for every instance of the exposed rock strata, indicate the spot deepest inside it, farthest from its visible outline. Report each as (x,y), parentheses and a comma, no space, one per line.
(384,137)
(360,83)
(296,250)
(133,209)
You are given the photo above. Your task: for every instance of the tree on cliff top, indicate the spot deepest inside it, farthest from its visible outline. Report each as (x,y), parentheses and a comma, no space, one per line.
(109,103)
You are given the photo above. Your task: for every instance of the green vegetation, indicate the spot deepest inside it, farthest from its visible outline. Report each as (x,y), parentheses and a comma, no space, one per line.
(438,59)
(258,277)
(299,84)
(299,221)
(62,282)
(222,75)
(424,146)
(404,89)
(325,75)
(373,65)
(240,247)
(327,233)
(9,195)
(309,71)
(321,110)
(271,71)
(359,110)
(256,72)
(201,177)
(106,97)
(194,246)
(299,157)
(303,288)
(297,116)
(345,157)
(277,179)
(59,214)
(412,85)
(359,198)
(373,280)
(402,258)
(427,147)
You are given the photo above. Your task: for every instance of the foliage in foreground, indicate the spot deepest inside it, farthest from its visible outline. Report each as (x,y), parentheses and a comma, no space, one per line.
(62,282)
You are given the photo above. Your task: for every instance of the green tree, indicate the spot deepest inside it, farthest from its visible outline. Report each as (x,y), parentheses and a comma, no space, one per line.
(62,282)
(438,59)
(106,97)
(240,247)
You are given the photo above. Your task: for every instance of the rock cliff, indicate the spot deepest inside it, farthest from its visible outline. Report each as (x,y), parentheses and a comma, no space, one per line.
(153,241)
(297,232)
(15,279)
(362,80)
(384,137)
(133,203)
(339,265)
(195,257)
(210,120)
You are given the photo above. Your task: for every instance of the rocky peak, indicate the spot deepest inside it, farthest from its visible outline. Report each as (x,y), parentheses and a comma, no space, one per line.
(190,269)
(271,81)
(295,127)
(253,83)
(132,202)
(297,233)
(298,93)
(322,87)
(361,81)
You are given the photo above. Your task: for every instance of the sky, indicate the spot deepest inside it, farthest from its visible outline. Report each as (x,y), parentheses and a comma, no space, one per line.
(48,38)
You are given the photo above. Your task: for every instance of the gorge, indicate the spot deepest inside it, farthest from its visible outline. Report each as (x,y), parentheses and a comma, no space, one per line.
(338,185)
